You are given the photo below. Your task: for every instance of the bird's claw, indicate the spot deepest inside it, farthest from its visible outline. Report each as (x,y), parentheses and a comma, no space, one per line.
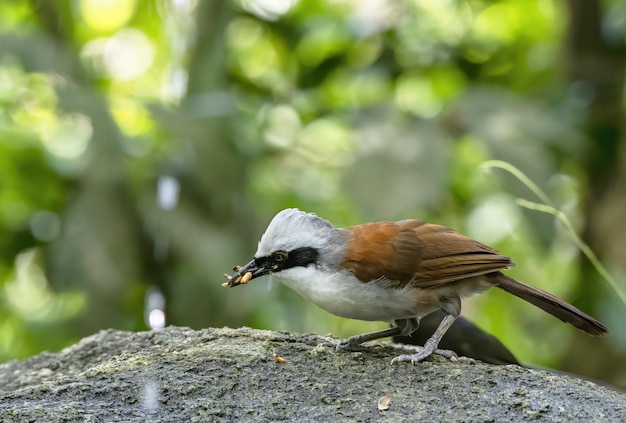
(424,353)
(350,346)
(346,345)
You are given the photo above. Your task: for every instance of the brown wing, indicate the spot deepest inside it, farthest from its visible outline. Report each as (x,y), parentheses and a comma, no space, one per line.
(417,252)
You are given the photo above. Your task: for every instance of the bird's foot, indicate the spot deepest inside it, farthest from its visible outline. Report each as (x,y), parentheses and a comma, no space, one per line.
(349,345)
(424,353)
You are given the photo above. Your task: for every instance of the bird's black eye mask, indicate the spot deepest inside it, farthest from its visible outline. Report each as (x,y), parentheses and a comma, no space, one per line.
(275,262)
(281,260)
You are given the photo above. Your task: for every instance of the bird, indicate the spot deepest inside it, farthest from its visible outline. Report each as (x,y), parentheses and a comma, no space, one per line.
(395,272)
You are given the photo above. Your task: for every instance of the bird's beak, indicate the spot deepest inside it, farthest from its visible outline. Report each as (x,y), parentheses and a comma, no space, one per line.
(246,273)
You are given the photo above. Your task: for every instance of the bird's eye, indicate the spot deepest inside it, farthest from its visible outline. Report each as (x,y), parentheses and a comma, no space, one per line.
(280,256)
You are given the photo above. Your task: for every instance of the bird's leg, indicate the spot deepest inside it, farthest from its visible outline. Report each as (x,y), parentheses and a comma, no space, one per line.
(452,306)
(401,327)
(431,344)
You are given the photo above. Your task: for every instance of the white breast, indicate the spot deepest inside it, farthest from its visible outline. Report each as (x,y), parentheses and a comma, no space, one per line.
(344,295)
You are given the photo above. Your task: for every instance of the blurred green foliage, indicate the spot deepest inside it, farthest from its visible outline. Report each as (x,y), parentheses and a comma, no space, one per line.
(358,111)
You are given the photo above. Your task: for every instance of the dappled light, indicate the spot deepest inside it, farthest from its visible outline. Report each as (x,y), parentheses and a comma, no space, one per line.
(31,300)
(109,15)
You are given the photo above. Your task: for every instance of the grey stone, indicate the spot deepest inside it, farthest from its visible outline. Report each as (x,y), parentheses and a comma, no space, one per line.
(182,375)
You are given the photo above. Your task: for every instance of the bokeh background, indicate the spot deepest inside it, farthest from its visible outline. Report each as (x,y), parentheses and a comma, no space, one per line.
(144,146)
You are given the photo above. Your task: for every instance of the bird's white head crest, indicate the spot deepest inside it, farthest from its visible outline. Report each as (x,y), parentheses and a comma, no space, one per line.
(291,229)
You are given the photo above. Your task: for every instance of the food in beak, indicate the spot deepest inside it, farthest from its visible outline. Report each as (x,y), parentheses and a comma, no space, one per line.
(246,277)
(241,279)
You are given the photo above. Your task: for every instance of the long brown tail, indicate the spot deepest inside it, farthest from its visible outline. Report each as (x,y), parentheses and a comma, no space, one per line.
(549,303)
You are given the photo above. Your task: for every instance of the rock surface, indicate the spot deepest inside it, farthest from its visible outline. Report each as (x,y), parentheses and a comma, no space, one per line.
(182,375)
